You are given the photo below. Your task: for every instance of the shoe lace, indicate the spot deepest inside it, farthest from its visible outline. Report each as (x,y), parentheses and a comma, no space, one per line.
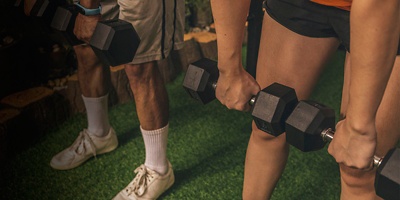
(139,185)
(84,142)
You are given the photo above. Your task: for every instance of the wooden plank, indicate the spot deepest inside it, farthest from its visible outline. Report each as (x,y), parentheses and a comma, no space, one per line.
(208,44)
(188,54)
(44,107)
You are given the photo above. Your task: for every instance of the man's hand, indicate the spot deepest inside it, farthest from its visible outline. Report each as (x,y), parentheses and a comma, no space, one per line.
(234,90)
(84,26)
(353,148)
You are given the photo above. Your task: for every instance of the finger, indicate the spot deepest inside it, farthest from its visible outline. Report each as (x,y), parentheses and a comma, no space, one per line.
(369,168)
(256,89)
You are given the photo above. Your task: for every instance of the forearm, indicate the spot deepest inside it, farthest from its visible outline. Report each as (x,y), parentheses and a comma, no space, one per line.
(90,4)
(229,18)
(374,40)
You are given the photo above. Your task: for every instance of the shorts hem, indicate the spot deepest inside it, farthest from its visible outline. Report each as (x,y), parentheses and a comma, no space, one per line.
(292,27)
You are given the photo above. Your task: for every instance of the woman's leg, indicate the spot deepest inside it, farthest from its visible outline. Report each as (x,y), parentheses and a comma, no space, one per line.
(292,60)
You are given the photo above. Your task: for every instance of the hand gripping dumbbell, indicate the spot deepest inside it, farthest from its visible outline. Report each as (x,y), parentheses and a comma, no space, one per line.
(270,107)
(114,41)
(310,126)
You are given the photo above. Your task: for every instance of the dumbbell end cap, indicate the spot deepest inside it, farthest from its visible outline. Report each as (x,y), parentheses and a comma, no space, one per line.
(200,79)
(387,179)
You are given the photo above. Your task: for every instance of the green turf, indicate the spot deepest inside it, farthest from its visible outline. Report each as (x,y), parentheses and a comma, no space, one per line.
(206,145)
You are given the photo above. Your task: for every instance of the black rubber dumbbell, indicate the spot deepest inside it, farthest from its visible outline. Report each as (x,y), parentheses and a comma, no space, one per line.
(310,126)
(45,9)
(114,41)
(270,107)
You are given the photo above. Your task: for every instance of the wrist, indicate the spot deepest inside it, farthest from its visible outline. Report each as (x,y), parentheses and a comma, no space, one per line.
(88,8)
(361,125)
(230,66)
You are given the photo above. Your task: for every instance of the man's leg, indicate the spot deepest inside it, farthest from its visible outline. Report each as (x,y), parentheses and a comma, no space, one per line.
(99,137)
(160,29)
(152,108)
(155,176)
(94,81)
(293,60)
(358,184)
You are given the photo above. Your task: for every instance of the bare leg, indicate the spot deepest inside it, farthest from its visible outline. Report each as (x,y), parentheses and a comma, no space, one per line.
(150,95)
(94,81)
(357,184)
(152,107)
(94,77)
(292,60)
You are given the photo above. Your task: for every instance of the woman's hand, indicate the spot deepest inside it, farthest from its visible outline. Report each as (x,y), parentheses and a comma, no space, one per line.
(352,147)
(235,89)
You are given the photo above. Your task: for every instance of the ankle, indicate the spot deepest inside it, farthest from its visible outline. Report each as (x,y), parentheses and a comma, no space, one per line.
(160,169)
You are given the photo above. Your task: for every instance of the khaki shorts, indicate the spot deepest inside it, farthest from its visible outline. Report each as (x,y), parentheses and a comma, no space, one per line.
(109,9)
(159,24)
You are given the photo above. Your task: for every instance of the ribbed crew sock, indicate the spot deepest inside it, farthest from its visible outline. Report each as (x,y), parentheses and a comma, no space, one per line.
(156,149)
(97,115)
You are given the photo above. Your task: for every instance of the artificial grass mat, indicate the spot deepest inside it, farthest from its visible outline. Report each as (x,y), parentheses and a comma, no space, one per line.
(206,146)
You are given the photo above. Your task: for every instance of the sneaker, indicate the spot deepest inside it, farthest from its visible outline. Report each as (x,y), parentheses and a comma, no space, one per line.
(147,184)
(84,147)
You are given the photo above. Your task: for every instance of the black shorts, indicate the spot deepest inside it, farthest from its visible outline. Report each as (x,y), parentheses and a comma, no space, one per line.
(311,19)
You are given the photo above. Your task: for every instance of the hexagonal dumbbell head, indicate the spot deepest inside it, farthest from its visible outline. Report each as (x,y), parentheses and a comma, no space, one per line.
(305,124)
(64,21)
(45,9)
(200,78)
(387,179)
(272,107)
(115,42)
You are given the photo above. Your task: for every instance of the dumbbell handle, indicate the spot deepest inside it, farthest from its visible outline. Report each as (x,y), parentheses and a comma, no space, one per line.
(251,102)
(327,135)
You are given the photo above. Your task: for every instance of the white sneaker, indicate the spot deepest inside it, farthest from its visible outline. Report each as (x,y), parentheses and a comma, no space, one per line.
(147,184)
(84,147)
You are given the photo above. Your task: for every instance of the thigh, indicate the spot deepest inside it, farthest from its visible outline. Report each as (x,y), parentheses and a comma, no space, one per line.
(290,58)
(388,114)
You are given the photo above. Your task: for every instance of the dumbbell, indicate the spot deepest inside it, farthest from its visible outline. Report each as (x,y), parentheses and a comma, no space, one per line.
(45,9)
(270,107)
(114,41)
(310,126)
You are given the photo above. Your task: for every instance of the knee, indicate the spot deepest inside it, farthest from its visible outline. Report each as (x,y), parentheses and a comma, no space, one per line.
(139,72)
(86,58)
(262,136)
(133,71)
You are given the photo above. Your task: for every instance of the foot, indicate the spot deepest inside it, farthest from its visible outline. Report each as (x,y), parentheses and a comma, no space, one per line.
(84,147)
(147,184)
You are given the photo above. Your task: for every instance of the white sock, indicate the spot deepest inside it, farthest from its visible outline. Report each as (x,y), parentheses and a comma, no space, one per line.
(155,142)
(97,115)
